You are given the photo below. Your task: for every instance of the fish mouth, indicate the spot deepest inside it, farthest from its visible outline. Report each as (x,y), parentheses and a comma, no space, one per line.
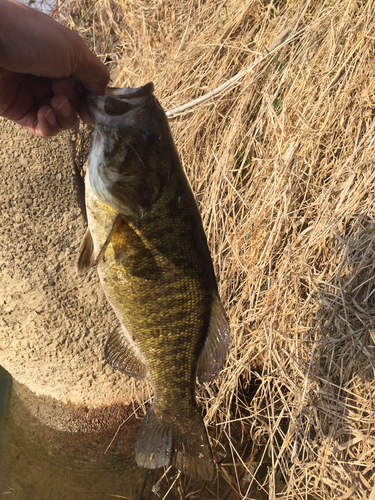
(117,102)
(128,92)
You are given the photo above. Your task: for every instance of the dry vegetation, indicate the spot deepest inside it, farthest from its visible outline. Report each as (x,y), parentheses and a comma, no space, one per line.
(282,164)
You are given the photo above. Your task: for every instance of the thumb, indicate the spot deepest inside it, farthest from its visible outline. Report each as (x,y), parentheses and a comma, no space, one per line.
(94,76)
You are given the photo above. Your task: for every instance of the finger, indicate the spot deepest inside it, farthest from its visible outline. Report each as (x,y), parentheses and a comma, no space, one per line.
(85,115)
(65,114)
(92,73)
(68,88)
(93,81)
(46,124)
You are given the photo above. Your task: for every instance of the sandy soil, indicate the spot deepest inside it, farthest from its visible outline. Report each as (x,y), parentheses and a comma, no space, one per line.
(53,323)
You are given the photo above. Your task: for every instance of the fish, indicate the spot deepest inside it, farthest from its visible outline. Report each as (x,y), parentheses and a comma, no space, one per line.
(146,238)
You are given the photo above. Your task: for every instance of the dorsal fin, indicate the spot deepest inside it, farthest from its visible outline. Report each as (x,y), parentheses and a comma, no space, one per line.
(213,355)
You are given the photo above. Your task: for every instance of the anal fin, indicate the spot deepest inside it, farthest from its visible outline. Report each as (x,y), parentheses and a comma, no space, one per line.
(122,355)
(213,354)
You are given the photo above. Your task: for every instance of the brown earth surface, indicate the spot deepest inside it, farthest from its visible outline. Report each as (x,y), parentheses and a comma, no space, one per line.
(53,323)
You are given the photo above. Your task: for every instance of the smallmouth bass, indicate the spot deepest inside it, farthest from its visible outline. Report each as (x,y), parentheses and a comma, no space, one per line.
(146,237)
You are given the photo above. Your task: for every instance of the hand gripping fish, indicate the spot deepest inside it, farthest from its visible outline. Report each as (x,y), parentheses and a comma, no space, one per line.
(146,237)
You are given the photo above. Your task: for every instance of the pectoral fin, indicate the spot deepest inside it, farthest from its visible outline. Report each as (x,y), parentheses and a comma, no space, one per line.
(213,355)
(86,254)
(122,355)
(117,223)
(135,257)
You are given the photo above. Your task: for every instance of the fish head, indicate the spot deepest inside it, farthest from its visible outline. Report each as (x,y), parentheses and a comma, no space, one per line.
(132,150)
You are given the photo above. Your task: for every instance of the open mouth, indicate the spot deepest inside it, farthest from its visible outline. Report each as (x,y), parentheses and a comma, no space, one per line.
(118,101)
(128,92)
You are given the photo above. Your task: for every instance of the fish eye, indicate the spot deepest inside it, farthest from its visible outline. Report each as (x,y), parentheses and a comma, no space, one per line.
(149,136)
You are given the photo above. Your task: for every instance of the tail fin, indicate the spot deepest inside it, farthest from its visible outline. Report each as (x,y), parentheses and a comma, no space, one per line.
(183,444)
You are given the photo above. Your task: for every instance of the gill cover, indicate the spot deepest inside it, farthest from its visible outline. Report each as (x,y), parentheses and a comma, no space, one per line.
(127,168)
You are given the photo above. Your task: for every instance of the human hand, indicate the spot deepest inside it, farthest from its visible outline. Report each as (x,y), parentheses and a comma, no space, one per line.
(43,65)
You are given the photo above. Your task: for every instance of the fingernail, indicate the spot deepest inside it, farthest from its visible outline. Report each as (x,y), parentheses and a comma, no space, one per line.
(65,108)
(50,118)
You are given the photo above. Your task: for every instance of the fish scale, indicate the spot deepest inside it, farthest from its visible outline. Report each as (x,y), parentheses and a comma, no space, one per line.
(146,237)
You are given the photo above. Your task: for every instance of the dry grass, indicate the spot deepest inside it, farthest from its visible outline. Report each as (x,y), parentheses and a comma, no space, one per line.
(282,164)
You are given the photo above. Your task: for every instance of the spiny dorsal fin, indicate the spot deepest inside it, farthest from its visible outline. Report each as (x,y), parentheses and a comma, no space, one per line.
(215,349)
(86,254)
(122,355)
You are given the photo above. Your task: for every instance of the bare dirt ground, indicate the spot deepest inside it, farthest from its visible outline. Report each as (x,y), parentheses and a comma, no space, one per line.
(53,323)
